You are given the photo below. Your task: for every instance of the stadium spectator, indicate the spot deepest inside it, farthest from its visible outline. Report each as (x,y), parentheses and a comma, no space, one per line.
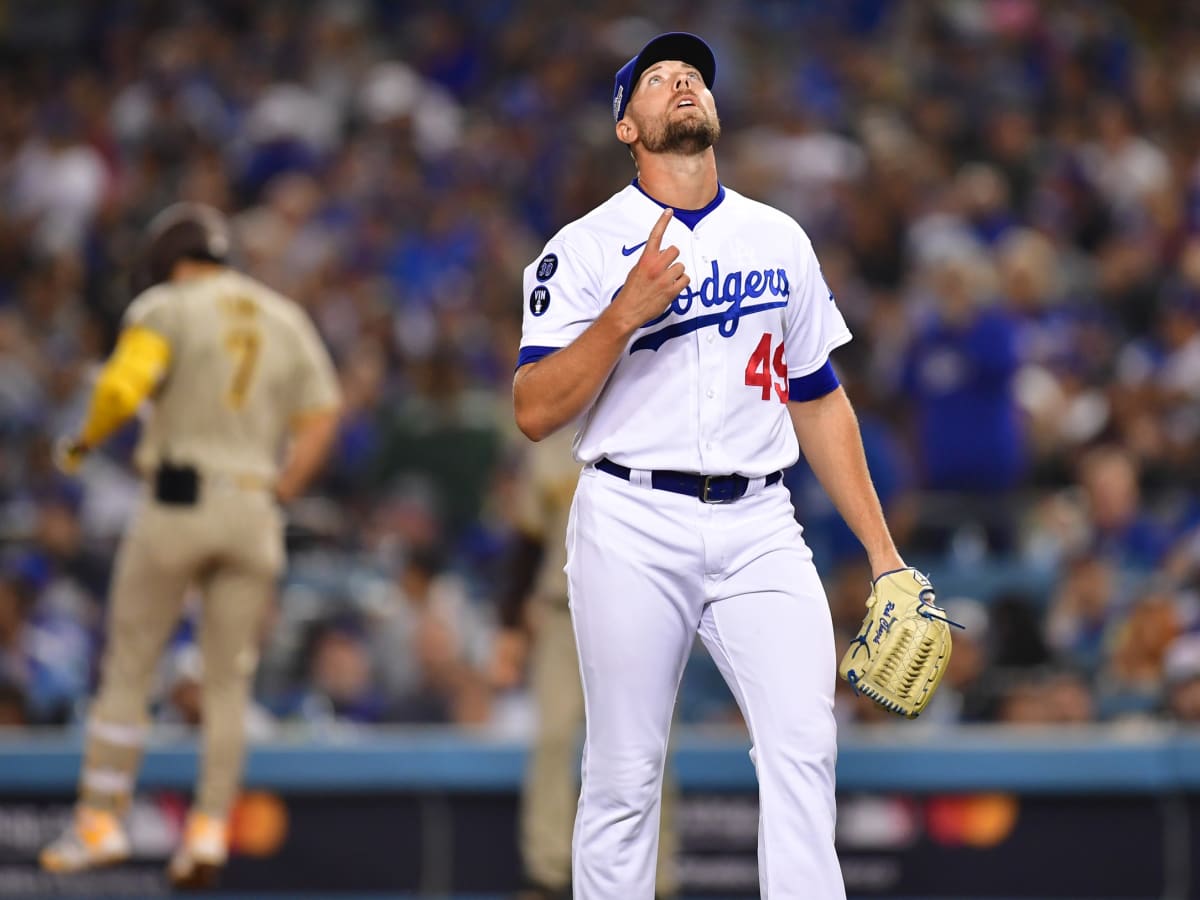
(44,655)
(959,374)
(340,686)
(1182,679)
(1122,529)
(429,646)
(1084,605)
(1055,697)
(1130,683)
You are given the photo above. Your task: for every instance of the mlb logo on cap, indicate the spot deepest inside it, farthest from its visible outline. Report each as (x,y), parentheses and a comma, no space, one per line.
(674,45)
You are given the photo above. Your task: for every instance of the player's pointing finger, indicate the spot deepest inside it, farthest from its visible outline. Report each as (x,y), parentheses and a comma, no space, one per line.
(656,233)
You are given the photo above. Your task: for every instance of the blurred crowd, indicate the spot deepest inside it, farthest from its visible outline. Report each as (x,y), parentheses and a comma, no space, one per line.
(1004,195)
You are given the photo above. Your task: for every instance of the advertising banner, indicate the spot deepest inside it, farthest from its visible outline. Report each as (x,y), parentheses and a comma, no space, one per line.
(892,845)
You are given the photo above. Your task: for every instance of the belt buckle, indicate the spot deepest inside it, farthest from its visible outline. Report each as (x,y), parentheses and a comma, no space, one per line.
(704,492)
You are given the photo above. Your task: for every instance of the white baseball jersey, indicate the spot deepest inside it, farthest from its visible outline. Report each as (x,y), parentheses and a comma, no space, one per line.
(703,387)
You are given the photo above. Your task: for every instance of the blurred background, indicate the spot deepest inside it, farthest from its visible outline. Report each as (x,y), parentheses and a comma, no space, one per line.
(1005,198)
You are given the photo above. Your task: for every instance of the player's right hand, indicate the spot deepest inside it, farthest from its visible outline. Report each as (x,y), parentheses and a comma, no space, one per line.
(655,279)
(69,454)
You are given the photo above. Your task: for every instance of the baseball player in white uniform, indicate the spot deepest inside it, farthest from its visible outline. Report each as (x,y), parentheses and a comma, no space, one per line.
(688,329)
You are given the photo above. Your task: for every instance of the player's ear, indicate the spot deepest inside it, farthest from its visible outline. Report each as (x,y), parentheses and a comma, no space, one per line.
(626,131)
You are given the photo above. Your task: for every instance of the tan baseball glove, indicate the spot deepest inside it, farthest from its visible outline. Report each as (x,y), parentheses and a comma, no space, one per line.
(903,648)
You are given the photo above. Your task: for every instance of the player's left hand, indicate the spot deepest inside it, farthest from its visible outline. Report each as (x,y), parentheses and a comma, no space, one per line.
(69,454)
(902,651)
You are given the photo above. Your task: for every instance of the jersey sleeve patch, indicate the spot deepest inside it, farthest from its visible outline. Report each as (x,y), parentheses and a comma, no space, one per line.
(533,354)
(558,310)
(814,385)
(547,267)
(539,300)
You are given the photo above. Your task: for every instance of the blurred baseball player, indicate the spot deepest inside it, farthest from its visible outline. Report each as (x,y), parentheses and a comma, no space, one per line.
(691,329)
(534,608)
(235,372)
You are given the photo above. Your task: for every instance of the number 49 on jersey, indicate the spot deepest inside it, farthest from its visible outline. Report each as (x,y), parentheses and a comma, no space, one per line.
(762,363)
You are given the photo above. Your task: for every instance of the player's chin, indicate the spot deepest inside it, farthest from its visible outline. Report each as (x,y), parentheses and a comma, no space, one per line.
(687,136)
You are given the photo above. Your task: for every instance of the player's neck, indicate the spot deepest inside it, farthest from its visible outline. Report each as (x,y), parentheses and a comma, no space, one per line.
(684,182)
(194,269)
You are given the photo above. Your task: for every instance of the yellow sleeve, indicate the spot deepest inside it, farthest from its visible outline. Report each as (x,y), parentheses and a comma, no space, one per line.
(135,368)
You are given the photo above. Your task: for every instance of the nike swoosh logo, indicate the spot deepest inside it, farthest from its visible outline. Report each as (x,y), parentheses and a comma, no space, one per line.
(629,251)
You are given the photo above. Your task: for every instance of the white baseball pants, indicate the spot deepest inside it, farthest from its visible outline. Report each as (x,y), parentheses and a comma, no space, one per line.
(647,570)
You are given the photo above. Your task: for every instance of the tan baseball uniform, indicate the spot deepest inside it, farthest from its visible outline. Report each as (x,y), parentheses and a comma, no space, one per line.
(245,363)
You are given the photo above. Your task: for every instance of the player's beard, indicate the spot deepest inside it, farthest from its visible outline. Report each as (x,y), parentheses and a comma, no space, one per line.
(684,136)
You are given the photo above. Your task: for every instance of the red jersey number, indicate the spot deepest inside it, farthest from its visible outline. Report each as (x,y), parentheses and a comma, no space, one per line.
(762,363)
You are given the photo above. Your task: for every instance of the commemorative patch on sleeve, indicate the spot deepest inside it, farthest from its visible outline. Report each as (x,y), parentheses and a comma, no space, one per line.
(539,300)
(547,267)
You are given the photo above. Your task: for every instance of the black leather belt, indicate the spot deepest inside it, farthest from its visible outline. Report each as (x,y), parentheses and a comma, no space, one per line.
(706,488)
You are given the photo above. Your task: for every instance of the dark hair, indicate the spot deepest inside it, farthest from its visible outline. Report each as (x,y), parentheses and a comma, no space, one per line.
(181,231)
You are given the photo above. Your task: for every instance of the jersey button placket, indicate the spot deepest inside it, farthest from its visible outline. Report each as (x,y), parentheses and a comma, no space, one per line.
(711,365)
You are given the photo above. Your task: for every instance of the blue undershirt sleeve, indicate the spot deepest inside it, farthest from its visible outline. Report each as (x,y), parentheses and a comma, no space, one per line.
(815,384)
(533,354)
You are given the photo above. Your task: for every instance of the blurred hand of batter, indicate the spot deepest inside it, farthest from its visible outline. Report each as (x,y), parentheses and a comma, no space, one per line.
(69,454)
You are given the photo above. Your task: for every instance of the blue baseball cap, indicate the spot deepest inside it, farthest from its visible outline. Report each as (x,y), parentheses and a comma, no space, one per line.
(674,45)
